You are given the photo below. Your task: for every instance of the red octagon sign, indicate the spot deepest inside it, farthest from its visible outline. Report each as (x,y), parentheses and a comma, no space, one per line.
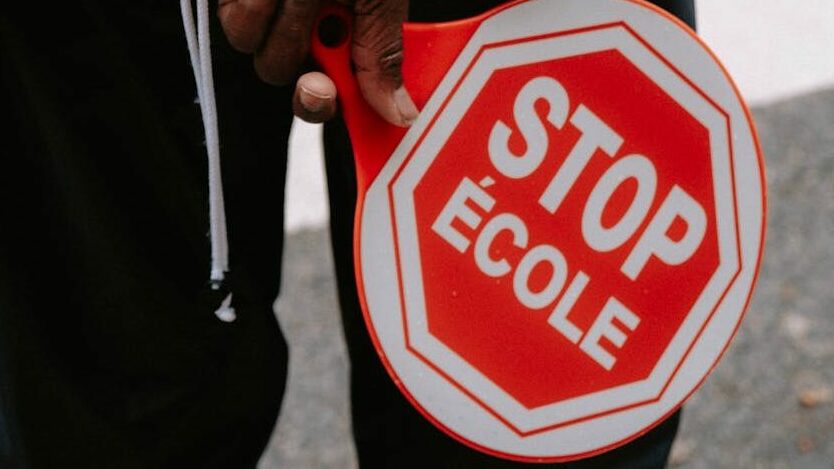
(574,229)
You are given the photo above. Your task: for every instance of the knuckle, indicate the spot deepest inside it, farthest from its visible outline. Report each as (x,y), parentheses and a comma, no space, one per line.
(300,12)
(369,7)
(383,57)
(390,63)
(259,9)
(244,22)
(240,38)
(293,33)
(299,5)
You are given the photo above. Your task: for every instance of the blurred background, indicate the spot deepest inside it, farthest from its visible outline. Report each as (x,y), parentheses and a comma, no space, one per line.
(770,402)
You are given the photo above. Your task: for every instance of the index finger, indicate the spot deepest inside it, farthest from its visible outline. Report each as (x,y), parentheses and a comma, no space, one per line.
(378,54)
(287,43)
(246,22)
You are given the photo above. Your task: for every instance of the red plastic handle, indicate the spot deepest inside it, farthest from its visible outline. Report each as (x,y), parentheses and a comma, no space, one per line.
(429,50)
(373,138)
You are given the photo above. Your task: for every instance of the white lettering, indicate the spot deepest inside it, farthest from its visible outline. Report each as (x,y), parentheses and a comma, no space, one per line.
(531,128)
(655,240)
(501,222)
(456,208)
(596,134)
(607,239)
(559,317)
(534,257)
(604,327)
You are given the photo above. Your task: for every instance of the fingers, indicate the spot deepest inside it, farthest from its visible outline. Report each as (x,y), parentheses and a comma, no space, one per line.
(278,33)
(287,43)
(246,22)
(315,98)
(378,54)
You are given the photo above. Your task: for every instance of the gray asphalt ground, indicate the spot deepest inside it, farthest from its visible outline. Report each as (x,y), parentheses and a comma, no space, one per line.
(769,403)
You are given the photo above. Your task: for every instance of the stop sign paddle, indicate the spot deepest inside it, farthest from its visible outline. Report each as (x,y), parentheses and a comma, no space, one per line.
(553,257)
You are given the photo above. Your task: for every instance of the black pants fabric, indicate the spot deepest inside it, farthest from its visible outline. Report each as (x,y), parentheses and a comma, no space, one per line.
(110,354)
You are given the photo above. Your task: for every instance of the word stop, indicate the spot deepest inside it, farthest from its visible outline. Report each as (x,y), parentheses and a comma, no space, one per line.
(471,203)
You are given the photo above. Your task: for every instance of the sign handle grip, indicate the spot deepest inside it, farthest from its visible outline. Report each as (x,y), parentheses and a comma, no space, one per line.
(373,139)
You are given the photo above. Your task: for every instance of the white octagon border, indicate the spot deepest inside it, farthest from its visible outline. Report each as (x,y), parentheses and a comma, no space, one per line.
(517,415)
(378,279)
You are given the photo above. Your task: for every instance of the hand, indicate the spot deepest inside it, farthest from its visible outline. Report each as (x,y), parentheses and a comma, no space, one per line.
(278,33)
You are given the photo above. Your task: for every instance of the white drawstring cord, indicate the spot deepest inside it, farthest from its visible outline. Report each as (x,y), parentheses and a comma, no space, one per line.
(199,49)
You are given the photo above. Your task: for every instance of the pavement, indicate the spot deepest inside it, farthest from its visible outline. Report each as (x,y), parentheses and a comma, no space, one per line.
(768,404)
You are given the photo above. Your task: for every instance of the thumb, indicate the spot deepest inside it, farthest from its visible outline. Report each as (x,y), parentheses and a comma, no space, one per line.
(378,55)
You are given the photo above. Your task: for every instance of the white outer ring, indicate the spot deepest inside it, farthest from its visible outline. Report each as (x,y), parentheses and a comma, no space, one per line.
(444,402)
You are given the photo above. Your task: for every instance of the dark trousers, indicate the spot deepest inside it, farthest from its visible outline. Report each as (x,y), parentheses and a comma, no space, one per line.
(110,355)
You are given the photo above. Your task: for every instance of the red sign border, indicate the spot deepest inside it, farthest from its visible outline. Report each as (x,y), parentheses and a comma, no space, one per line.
(756,144)
(418,143)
